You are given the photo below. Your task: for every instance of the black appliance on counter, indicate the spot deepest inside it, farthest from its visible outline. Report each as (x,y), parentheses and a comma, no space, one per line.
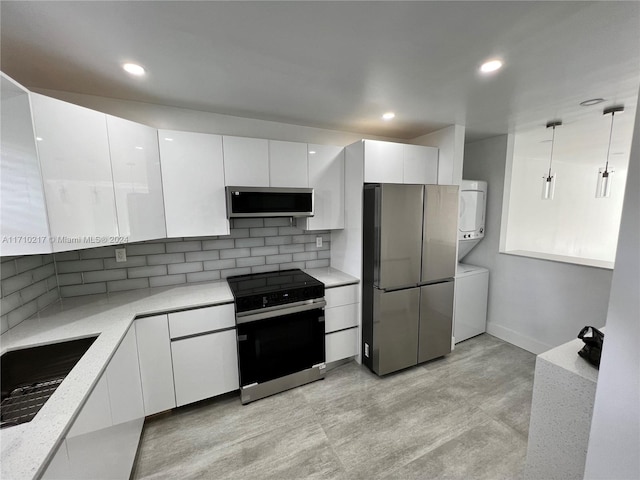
(280,325)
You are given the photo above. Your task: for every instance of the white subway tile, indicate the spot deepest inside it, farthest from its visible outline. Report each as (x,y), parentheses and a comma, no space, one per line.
(248,222)
(271,259)
(4,324)
(21,314)
(65,279)
(202,256)
(219,264)
(88,289)
(8,269)
(15,283)
(263,232)
(264,268)
(80,266)
(250,242)
(185,267)
(43,272)
(47,259)
(287,266)
(280,240)
(9,258)
(104,275)
(168,280)
(317,263)
(203,276)
(139,272)
(66,256)
(191,246)
(101,252)
(217,244)
(165,259)
(131,284)
(290,231)
(145,249)
(277,222)
(303,238)
(311,247)
(33,291)
(10,303)
(260,251)
(47,299)
(250,261)
(238,233)
(296,248)
(303,257)
(235,271)
(52,283)
(324,254)
(139,261)
(234,253)
(28,263)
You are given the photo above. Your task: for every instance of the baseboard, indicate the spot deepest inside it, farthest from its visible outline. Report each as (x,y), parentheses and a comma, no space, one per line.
(517,339)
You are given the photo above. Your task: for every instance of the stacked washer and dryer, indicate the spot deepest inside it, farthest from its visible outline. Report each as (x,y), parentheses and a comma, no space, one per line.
(472,282)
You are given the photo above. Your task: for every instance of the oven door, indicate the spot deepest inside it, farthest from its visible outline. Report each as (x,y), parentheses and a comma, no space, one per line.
(280,342)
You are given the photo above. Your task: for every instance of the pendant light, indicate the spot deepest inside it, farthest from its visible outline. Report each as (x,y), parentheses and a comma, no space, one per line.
(603,187)
(549,180)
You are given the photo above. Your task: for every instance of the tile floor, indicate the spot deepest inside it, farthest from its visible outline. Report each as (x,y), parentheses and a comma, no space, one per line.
(465,416)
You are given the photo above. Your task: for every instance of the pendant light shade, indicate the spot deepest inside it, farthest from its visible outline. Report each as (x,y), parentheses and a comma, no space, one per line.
(549,180)
(605,174)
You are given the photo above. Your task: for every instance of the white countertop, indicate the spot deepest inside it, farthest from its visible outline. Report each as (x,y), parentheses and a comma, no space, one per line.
(566,356)
(26,448)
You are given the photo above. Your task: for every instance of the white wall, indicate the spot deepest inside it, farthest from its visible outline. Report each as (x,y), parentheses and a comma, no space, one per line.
(172,118)
(614,442)
(450,142)
(535,304)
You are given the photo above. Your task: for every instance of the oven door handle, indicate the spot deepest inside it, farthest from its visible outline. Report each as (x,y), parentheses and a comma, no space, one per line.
(252,317)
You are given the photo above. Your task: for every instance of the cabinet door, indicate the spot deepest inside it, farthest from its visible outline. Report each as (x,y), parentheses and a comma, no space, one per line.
(383,162)
(420,164)
(288,164)
(96,412)
(123,378)
(205,366)
(58,468)
(76,170)
(326,177)
(156,370)
(246,162)
(339,345)
(135,161)
(23,210)
(193,184)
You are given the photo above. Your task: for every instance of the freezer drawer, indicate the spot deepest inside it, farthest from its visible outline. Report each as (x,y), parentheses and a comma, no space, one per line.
(395,329)
(436,320)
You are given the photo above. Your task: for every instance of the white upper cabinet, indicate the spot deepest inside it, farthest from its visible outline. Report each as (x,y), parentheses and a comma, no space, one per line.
(23,209)
(76,168)
(388,162)
(193,184)
(288,164)
(420,164)
(135,161)
(383,162)
(326,177)
(246,162)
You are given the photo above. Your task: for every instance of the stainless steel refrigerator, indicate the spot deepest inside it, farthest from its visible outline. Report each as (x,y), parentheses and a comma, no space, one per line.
(409,263)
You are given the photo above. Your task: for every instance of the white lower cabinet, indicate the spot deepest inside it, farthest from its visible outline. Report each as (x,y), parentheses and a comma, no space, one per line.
(205,366)
(156,369)
(341,322)
(103,440)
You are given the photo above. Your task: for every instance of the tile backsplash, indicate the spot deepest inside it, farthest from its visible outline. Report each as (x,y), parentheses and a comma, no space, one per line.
(254,245)
(28,286)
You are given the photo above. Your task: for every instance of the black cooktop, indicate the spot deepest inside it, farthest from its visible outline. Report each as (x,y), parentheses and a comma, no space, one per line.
(262,290)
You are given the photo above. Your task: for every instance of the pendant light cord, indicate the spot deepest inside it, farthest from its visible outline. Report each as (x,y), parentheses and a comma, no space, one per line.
(553,138)
(606,166)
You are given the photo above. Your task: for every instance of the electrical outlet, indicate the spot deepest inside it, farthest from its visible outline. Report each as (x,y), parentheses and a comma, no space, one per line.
(318,242)
(121,255)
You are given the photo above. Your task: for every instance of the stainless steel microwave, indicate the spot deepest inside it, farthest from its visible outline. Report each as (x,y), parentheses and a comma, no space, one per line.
(269,202)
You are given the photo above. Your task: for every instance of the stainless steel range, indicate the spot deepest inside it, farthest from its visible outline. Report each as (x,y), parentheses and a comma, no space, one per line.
(280,324)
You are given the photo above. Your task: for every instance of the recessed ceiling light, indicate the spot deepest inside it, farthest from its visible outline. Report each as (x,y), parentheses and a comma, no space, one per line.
(490,66)
(168,139)
(139,148)
(133,69)
(312,152)
(39,139)
(591,101)
(388,116)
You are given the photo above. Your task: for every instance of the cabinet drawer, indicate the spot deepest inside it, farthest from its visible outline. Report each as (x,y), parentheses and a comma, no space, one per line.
(201,320)
(339,318)
(341,296)
(341,345)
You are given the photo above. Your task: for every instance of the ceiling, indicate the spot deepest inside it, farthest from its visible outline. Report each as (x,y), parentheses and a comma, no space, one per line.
(337,65)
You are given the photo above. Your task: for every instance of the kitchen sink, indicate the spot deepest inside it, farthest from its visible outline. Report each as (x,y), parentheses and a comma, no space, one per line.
(29,376)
